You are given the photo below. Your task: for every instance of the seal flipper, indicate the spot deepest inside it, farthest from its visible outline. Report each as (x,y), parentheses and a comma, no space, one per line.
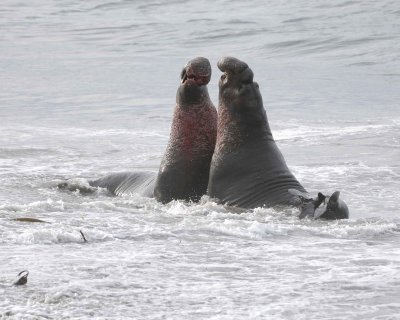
(321,198)
(307,209)
(307,204)
(333,209)
(312,206)
(334,197)
(125,183)
(336,208)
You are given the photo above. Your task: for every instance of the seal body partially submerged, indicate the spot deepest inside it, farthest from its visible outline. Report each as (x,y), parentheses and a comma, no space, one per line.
(123,183)
(247,169)
(185,166)
(184,169)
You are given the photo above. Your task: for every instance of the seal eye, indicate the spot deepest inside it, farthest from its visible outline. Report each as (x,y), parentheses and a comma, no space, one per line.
(223,77)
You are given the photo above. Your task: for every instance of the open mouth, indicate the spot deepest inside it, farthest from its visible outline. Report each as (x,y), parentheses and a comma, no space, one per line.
(193,79)
(196,72)
(188,77)
(237,71)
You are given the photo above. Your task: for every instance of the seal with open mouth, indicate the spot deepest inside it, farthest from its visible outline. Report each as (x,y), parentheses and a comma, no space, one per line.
(247,169)
(185,167)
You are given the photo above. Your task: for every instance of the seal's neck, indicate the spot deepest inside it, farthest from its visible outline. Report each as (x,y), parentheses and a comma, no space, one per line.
(194,128)
(239,128)
(187,96)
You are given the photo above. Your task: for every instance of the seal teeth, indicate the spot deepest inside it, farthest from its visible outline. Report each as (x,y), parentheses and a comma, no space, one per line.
(184,78)
(183,75)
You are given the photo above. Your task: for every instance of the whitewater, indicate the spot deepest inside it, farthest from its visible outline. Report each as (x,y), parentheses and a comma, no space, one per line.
(88,88)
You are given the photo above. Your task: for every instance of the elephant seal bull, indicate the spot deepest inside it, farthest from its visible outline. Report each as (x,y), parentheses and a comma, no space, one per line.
(247,168)
(184,169)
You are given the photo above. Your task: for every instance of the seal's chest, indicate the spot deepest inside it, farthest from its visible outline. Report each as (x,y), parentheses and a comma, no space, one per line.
(196,135)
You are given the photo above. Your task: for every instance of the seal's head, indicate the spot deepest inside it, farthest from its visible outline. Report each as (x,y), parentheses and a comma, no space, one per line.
(185,166)
(241,112)
(195,76)
(237,91)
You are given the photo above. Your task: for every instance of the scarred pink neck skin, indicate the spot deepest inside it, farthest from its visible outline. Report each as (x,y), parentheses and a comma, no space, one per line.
(194,125)
(194,129)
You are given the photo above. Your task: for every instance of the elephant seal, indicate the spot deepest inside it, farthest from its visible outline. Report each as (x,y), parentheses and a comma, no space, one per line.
(185,166)
(247,169)
(184,169)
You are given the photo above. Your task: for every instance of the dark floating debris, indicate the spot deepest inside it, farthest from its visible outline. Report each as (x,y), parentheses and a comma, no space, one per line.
(23,278)
(29,220)
(83,236)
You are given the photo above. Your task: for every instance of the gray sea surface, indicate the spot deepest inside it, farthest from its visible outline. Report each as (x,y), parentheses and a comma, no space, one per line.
(88,88)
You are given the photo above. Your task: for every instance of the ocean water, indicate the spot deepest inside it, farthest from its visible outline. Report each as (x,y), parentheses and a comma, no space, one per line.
(88,88)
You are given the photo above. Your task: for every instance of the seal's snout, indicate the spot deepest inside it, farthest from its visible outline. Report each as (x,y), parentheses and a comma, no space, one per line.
(196,72)
(236,68)
(232,65)
(247,76)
